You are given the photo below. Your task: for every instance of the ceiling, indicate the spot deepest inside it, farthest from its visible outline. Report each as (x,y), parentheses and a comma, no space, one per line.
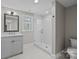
(67,3)
(40,8)
(28,5)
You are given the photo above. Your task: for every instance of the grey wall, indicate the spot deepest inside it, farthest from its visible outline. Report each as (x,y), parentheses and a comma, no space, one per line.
(28,36)
(70,23)
(66,25)
(60,27)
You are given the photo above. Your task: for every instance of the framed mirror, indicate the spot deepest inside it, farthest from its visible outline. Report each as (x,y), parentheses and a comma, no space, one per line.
(11,23)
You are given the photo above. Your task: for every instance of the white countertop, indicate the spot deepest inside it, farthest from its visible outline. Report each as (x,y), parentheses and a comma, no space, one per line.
(10,35)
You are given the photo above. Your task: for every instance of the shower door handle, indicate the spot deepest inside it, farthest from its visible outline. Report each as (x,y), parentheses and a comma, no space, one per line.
(42,31)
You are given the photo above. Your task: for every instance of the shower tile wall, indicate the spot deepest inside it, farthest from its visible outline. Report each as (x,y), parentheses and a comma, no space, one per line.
(37,30)
(43,32)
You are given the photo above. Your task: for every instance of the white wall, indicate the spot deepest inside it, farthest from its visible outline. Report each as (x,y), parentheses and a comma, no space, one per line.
(66,25)
(28,36)
(70,23)
(60,28)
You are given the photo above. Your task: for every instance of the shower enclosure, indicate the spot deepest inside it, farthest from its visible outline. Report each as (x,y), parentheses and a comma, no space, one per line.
(49,30)
(44,31)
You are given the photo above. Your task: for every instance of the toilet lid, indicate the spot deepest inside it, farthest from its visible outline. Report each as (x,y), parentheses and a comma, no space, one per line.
(72,50)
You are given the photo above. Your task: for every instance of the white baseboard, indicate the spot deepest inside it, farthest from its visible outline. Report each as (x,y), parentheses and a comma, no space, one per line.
(56,56)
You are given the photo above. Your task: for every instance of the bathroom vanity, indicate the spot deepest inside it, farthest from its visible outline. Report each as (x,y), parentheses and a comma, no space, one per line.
(11,45)
(11,38)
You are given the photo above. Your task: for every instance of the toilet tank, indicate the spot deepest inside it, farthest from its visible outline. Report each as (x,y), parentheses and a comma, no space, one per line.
(73,43)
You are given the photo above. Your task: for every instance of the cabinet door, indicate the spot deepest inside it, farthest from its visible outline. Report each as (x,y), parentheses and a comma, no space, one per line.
(17,45)
(5,47)
(11,46)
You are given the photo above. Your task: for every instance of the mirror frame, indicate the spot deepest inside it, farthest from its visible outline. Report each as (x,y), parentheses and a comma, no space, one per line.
(5,27)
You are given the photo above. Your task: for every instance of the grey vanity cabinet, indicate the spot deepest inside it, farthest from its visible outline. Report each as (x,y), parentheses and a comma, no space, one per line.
(17,45)
(5,47)
(11,46)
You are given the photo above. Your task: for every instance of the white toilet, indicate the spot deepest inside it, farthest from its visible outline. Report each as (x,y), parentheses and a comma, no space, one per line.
(72,51)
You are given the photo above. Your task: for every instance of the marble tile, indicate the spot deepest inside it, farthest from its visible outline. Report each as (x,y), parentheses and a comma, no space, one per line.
(32,52)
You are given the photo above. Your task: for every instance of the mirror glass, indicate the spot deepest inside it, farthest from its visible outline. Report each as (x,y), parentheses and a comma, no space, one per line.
(11,23)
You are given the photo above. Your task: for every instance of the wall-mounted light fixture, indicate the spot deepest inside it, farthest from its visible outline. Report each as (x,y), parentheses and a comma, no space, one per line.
(36,1)
(11,13)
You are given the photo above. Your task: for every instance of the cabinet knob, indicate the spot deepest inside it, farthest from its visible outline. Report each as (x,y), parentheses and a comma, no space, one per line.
(13,41)
(53,16)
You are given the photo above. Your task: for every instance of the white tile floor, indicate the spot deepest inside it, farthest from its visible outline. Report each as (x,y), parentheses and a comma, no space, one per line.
(32,52)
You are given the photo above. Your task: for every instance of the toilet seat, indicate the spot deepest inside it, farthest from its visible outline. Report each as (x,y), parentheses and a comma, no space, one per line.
(72,52)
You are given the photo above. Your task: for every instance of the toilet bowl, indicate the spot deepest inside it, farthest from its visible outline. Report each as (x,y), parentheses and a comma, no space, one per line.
(72,52)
